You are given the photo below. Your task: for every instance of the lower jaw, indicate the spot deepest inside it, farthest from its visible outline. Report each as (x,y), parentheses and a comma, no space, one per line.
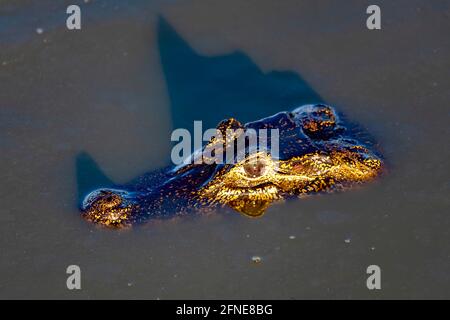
(250,208)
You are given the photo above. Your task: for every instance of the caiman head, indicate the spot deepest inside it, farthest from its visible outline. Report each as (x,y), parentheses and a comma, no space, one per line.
(317,152)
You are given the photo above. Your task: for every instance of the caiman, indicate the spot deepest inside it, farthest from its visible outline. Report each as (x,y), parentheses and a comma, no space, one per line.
(319,151)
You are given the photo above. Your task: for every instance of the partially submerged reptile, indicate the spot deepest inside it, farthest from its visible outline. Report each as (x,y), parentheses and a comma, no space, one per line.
(318,152)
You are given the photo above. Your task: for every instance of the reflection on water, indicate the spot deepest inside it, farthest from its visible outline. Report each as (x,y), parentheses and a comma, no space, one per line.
(110,92)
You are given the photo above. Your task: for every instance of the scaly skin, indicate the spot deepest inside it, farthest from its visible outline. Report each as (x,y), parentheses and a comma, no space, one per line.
(318,152)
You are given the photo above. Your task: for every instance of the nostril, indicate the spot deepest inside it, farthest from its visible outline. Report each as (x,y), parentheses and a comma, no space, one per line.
(101,197)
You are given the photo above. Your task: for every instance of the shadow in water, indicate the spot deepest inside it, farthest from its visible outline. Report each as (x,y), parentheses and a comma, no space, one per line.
(211,89)
(89,176)
(215,88)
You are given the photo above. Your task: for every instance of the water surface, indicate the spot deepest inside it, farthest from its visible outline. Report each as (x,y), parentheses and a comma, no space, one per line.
(113,90)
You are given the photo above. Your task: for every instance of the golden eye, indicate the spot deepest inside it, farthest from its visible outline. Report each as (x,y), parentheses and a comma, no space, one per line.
(255,168)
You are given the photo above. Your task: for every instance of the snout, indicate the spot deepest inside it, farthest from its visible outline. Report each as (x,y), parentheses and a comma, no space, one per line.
(316,120)
(109,207)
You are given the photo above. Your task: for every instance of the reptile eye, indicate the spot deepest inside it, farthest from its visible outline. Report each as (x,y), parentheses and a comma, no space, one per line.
(255,168)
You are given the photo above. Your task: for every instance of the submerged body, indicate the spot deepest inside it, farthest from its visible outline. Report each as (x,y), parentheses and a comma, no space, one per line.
(318,151)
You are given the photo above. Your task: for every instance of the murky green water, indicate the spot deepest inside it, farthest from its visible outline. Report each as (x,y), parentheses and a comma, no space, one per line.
(104,90)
